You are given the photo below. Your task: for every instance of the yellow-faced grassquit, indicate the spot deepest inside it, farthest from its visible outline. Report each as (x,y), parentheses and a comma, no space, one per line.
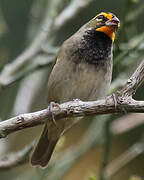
(83,70)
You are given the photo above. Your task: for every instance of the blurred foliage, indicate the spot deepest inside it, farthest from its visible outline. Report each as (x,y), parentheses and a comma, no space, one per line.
(92,178)
(135,178)
(20,24)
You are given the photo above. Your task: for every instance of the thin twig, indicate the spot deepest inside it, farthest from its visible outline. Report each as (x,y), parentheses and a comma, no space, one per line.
(134,81)
(91,138)
(71,11)
(41,61)
(50,24)
(126,123)
(9,70)
(117,164)
(17,158)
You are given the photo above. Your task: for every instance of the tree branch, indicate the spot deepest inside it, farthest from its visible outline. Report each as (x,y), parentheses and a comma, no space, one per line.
(77,108)
(134,81)
(119,163)
(70,12)
(11,69)
(15,159)
(50,25)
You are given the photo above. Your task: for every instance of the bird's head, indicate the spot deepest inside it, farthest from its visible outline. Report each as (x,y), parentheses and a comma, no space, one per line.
(107,23)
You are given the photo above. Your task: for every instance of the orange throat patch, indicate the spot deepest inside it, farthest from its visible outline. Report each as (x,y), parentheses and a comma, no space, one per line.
(109,31)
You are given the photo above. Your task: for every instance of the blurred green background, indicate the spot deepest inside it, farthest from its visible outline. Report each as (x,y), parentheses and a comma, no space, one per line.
(110,147)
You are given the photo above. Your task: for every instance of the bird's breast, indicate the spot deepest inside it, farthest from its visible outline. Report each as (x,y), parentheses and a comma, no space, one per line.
(83,69)
(84,81)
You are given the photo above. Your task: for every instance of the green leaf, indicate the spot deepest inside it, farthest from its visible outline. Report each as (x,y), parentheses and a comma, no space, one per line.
(92,178)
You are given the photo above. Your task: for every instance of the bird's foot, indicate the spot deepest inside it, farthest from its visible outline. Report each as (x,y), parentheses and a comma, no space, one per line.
(115,100)
(51,106)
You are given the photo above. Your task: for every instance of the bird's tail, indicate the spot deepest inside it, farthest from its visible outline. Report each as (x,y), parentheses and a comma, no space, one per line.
(44,149)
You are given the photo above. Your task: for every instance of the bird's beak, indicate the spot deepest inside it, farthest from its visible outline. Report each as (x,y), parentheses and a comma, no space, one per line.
(113,22)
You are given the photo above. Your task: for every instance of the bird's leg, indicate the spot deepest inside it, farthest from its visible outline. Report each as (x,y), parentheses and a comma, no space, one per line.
(51,106)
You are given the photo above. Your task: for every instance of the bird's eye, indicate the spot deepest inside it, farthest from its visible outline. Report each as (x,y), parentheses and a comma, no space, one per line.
(100,17)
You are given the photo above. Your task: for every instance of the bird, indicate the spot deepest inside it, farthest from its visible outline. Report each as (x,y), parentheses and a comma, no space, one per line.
(83,70)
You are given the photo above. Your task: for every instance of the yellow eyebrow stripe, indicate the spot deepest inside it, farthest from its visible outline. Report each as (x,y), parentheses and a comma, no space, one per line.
(107,15)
